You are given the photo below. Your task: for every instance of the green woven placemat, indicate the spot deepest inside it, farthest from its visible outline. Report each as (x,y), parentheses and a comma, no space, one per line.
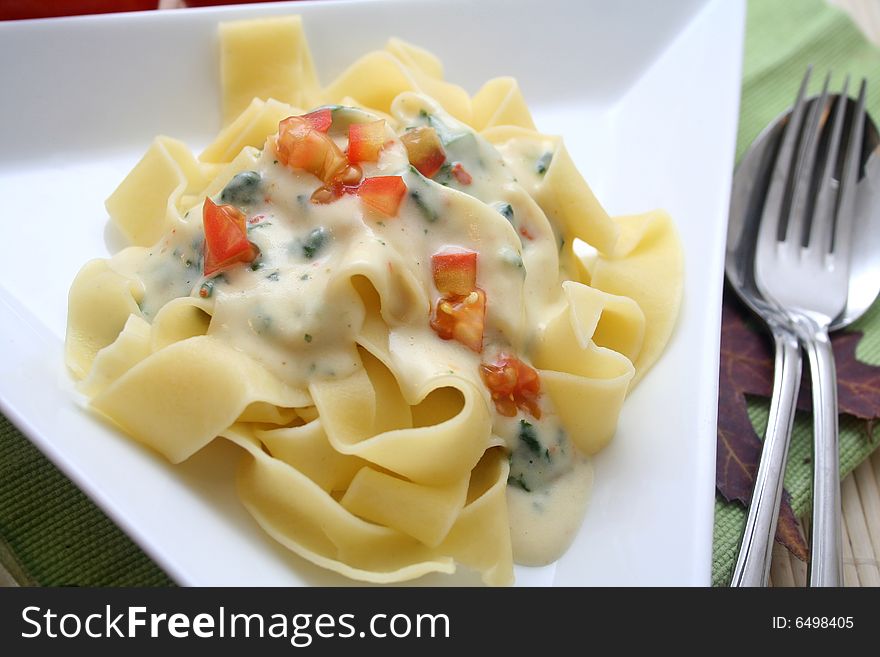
(52,534)
(782,39)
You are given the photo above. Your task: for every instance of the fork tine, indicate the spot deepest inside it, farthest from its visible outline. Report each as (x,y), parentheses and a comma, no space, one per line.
(822,238)
(846,198)
(774,203)
(800,214)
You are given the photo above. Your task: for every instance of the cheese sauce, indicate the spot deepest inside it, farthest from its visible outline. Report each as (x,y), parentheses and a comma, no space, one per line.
(295,310)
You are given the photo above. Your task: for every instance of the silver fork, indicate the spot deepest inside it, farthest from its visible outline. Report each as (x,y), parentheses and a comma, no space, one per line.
(802,263)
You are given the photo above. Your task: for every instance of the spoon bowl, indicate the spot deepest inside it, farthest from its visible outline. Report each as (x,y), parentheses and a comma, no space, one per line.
(750,183)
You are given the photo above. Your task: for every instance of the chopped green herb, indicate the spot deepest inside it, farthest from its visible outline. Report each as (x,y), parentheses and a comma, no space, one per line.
(529,436)
(519,482)
(304,277)
(314,242)
(544,163)
(427,211)
(243,189)
(273,276)
(442,130)
(307,337)
(257,264)
(421,192)
(444,175)
(506,211)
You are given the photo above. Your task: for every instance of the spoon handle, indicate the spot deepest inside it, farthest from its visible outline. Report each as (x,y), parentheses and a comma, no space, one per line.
(753,562)
(825,554)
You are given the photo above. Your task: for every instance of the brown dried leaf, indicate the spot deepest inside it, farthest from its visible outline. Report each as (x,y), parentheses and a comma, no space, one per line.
(788,530)
(858,384)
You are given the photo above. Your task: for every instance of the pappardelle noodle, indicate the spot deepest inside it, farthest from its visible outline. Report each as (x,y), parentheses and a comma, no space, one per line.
(379,289)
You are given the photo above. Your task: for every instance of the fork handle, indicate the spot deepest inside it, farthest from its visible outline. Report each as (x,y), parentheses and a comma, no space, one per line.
(753,562)
(825,556)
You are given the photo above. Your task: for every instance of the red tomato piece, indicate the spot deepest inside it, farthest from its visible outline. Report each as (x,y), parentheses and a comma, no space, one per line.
(382,193)
(320,119)
(455,272)
(299,146)
(365,141)
(226,241)
(513,385)
(424,149)
(461,174)
(461,318)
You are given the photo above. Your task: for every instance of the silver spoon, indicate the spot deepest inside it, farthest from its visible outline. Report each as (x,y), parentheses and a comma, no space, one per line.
(747,197)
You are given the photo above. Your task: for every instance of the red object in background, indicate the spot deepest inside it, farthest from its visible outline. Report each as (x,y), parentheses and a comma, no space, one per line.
(208,3)
(19,9)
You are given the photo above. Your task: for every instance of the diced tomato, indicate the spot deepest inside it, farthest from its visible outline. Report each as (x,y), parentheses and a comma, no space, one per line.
(351,176)
(424,149)
(382,193)
(455,272)
(365,141)
(320,119)
(513,385)
(326,194)
(301,146)
(461,318)
(461,174)
(226,241)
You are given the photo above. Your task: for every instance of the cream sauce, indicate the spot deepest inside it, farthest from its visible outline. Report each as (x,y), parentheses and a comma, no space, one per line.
(543,523)
(295,309)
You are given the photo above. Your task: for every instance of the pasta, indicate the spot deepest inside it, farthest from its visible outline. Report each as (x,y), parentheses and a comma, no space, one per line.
(379,290)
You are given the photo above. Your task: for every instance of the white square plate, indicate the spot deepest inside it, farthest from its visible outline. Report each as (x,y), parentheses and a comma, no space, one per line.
(646,95)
